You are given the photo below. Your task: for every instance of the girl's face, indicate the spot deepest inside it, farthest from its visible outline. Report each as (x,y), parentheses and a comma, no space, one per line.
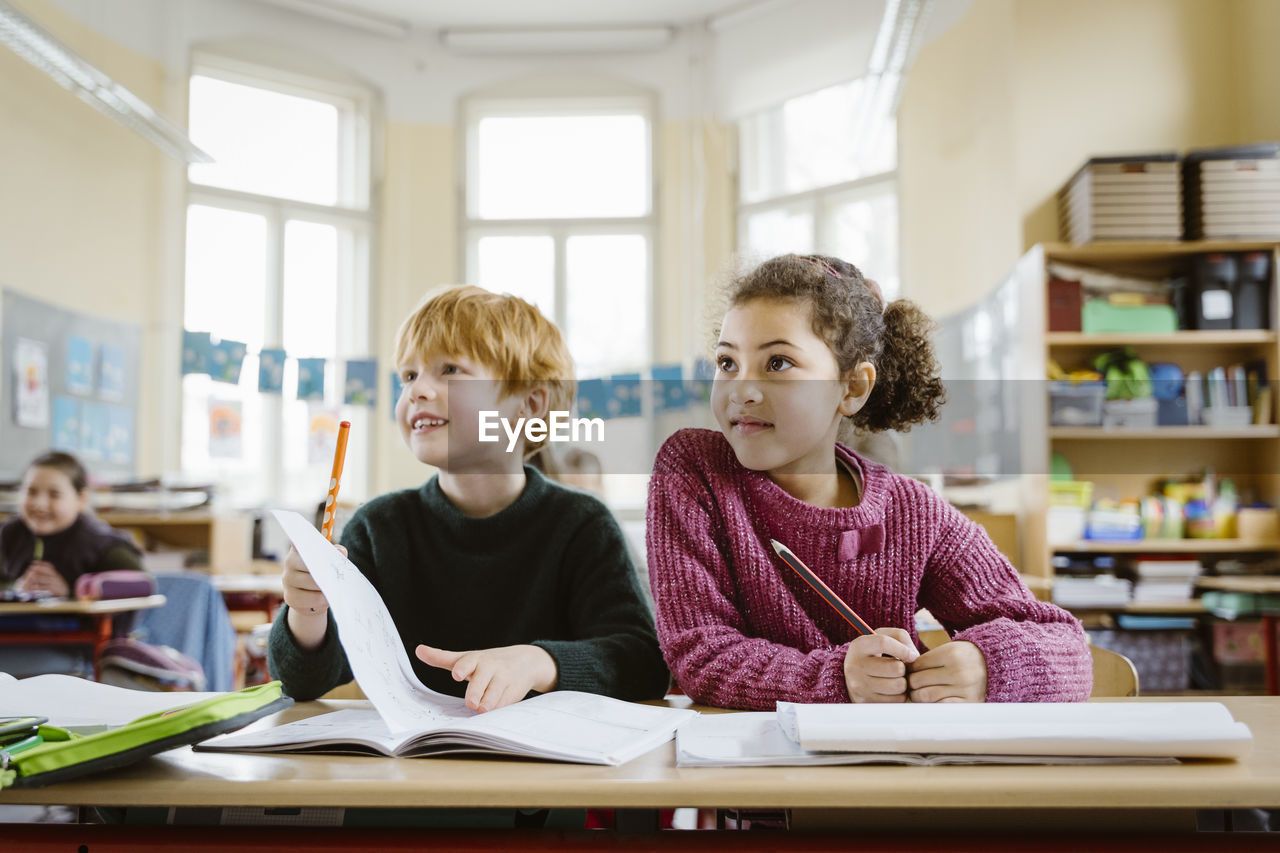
(778,395)
(50,503)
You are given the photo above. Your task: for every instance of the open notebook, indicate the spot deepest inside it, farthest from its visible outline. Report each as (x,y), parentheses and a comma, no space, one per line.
(411,720)
(561,726)
(1015,733)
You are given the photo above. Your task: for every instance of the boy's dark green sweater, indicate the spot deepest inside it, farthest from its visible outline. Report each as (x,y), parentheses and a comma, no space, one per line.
(552,569)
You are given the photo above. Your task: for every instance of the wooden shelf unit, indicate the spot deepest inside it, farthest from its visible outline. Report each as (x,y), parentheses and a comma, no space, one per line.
(1125,462)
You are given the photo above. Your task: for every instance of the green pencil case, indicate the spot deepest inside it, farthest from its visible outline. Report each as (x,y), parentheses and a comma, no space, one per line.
(65,755)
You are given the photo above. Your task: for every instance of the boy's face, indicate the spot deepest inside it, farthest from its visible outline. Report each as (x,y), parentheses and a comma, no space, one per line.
(50,503)
(777,388)
(439,414)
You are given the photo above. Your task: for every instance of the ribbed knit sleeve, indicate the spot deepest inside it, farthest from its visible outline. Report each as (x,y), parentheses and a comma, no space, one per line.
(1034,651)
(714,654)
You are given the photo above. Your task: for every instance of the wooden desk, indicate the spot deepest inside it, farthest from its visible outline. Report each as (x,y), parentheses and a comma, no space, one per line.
(184,778)
(97,614)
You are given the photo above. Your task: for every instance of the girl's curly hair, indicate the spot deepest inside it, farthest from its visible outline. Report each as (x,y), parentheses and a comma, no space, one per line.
(848,313)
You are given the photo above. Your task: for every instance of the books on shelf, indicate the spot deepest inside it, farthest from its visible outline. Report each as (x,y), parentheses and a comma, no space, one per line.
(1164,581)
(1123,198)
(1233,192)
(963,733)
(1092,591)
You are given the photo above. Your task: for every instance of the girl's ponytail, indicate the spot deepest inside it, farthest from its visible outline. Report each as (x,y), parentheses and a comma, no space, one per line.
(908,389)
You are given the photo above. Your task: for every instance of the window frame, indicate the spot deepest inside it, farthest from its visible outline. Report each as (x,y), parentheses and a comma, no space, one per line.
(472,227)
(354,218)
(819,202)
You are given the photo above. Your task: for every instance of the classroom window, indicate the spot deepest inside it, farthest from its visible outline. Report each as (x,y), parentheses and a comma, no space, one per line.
(819,174)
(559,211)
(277,257)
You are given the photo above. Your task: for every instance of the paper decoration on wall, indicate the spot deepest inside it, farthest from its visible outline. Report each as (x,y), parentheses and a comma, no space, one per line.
(362,383)
(322,435)
(593,396)
(624,396)
(93,431)
(311,379)
(225,429)
(111,373)
(195,352)
(397,388)
(66,424)
(31,381)
(79,365)
(119,447)
(699,387)
(668,389)
(225,360)
(271,370)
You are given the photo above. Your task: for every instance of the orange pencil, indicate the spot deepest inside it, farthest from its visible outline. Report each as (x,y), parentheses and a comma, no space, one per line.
(331,502)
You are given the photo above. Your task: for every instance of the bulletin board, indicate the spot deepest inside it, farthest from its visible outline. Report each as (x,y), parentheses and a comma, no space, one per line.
(70,383)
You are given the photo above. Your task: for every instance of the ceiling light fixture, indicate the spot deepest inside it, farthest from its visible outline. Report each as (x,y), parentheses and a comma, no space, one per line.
(569,40)
(34,44)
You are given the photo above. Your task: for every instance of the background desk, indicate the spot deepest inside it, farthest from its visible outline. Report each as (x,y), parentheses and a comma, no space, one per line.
(184,778)
(96,616)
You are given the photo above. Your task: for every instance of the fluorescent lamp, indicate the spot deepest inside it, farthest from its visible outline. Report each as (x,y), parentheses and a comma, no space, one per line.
(584,40)
(34,44)
(349,16)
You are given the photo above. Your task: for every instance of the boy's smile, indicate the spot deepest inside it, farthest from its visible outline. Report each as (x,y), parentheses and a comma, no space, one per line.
(438,413)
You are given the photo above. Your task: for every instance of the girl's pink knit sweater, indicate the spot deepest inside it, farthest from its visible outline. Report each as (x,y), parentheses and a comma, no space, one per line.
(740,629)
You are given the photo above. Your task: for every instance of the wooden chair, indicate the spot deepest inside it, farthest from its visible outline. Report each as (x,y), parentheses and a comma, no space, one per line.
(1113,673)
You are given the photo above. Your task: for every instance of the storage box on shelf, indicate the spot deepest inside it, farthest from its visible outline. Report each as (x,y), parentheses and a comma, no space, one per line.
(1124,460)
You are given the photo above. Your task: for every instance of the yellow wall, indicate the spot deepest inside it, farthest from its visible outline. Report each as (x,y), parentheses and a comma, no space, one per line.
(81,201)
(1000,110)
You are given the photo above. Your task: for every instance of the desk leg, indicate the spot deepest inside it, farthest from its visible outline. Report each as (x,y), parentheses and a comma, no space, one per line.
(1270,653)
(100,643)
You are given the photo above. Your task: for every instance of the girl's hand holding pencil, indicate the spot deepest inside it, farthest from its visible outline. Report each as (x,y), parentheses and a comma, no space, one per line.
(875,666)
(953,672)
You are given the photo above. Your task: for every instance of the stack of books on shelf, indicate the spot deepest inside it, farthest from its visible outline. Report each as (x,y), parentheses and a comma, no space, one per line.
(1233,192)
(1164,581)
(1123,198)
(1094,591)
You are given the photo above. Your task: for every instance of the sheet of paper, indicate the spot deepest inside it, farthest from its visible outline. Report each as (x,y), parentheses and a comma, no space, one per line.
(77,702)
(1177,729)
(350,725)
(369,636)
(746,738)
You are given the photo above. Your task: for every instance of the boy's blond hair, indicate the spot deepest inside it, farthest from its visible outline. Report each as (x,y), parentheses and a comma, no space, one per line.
(504,333)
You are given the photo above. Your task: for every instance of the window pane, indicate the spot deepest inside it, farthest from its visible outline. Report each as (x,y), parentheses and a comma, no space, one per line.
(522,266)
(543,167)
(864,231)
(608,302)
(226,274)
(310,320)
(828,137)
(264,142)
(777,232)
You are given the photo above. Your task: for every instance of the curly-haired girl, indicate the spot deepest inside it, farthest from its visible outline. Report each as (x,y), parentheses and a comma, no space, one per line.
(807,343)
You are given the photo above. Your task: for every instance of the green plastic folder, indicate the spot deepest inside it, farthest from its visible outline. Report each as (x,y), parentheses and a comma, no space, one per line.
(64,755)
